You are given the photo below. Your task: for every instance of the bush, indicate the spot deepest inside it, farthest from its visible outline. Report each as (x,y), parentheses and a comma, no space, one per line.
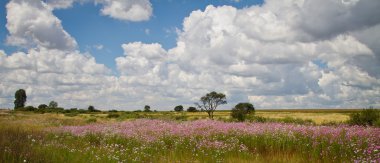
(29,108)
(178,108)
(241,110)
(42,106)
(366,117)
(258,119)
(239,114)
(192,109)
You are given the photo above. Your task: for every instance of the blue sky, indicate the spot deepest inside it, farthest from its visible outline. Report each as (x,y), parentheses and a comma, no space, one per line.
(125,54)
(90,29)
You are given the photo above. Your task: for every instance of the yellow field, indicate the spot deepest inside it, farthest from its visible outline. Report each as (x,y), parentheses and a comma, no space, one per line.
(317,116)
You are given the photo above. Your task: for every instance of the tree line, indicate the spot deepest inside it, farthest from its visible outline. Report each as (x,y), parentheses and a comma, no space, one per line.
(207,103)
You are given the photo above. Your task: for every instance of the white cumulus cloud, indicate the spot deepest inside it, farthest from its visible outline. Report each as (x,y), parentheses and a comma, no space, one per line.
(282,54)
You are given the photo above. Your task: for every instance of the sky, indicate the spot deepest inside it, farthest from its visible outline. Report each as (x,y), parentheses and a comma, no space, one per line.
(125,54)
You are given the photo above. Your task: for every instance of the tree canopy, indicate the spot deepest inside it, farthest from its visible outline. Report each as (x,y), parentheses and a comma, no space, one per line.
(178,108)
(147,108)
(53,104)
(20,99)
(210,102)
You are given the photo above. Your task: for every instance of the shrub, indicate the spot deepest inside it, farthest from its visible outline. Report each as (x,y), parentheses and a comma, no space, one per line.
(239,114)
(29,108)
(366,117)
(42,106)
(178,108)
(259,119)
(192,109)
(241,110)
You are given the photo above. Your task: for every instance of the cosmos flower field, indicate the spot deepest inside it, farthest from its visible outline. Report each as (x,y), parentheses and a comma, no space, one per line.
(215,140)
(29,137)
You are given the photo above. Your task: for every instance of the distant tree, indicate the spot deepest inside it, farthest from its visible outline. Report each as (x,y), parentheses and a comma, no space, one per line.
(147,108)
(246,106)
(192,109)
(20,99)
(210,102)
(178,108)
(91,108)
(241,110)
(42,106)
(53,104)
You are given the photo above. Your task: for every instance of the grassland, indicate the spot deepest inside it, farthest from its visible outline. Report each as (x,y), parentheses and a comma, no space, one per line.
(183,137)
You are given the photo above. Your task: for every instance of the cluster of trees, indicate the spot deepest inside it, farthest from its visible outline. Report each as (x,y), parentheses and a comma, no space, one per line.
(180,108)
(20,100)
(208,103)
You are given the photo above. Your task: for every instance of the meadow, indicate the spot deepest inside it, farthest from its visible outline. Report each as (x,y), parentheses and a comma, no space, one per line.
(277,136)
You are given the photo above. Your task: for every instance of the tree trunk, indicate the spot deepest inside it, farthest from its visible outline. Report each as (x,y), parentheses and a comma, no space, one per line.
(210,115)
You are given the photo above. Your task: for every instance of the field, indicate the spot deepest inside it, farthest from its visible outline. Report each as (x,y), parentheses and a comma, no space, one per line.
(285,136)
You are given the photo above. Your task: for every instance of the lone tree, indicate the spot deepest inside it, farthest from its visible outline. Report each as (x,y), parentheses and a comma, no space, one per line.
(147,108)
(20,98)
(53,105)
(241,110)
(178,108)
(91,108)
(210,102)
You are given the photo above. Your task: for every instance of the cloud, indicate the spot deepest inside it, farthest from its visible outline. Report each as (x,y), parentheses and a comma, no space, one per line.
(332,18)
(32,23)
(270,55)
(129,10)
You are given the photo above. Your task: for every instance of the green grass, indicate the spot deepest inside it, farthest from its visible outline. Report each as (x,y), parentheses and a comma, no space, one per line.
(26,136)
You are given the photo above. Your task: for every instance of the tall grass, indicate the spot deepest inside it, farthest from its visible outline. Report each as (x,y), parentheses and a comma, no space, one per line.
(53,138)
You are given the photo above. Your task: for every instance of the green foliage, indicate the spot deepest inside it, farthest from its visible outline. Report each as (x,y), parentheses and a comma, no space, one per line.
(112,111)
(147,108)
(42,106)
(53,104)
(30,108)
(20,99)
(192,109)
(367,117)
(240,111)
(210,102)
(239,114)
(178,108)
(92,109)
(246,106)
